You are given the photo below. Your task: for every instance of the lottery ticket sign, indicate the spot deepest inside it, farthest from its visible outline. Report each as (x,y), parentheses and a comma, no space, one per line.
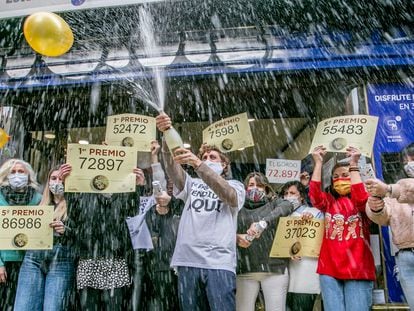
(297,237)
(229,134)
(26,227)
(130,130)
(100,169)
(280,171)
(338,133)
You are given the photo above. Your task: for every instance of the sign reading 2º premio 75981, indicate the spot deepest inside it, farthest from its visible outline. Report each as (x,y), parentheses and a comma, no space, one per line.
(229,134)
(26,227)
(100,169)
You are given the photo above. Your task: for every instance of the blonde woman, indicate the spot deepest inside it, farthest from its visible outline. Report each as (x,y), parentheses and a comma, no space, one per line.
(46,276)
(18,186)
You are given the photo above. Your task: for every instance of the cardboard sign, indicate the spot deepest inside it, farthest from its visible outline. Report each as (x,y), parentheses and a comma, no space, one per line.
(280,171)
(26,227)
(130,130)
(229,134)
(338,133)
(100,169)
(298,237)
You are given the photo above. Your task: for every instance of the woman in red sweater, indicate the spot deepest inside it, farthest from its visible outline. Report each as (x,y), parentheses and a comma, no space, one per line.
(346,265)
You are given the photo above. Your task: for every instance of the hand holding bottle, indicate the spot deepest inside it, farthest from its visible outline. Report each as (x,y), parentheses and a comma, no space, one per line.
(185,156)
(163,122)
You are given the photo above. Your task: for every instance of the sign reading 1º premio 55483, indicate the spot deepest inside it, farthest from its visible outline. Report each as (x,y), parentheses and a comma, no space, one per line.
(100,169)
(130,130)
(26,227)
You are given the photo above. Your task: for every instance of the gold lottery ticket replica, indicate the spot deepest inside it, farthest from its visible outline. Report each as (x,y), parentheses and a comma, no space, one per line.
(338,133)
(100,169)
(297,237)
(229,134)
(26,227)
(130,130)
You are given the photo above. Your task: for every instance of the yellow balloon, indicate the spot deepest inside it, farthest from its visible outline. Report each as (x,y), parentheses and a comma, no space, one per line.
(4,138)
(48,34)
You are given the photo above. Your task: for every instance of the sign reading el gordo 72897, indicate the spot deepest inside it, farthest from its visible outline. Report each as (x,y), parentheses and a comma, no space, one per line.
(280,171)
(338,133)
(100,169)
(26,227)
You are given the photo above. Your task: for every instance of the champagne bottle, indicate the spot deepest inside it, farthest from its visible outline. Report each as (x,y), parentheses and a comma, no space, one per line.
(173,139)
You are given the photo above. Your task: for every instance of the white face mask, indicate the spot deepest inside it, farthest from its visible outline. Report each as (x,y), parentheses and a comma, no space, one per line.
(57,188)
(295,201)
(409,169)
(215,166)
(17,180)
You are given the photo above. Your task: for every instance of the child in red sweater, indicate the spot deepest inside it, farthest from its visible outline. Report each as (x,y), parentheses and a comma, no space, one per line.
(346,264)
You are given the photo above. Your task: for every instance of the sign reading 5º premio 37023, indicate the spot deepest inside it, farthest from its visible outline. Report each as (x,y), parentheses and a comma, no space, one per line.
(130,130)
(26,227)
(297,237)
(100,169)
(229,134)
(338,133)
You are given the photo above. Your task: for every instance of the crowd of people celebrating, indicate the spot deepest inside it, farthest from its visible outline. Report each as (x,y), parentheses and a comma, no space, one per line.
(200,245)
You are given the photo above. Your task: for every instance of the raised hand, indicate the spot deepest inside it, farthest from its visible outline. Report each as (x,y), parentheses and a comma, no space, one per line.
(318,153)
(163,122)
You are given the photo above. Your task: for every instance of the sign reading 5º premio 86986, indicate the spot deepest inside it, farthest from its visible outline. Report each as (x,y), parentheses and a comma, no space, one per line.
(297,237)
(229,134)
(26,227)
(130,130)
(100,169)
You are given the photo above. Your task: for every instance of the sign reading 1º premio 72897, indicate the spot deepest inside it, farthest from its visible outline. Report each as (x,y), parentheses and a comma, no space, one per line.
(26,227)
(100,169)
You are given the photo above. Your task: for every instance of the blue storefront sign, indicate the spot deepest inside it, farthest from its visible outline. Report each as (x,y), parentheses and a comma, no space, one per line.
(394,105)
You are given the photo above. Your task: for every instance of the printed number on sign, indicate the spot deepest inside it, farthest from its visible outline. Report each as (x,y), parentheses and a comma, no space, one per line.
(100,164)
(344,129)
(21,223)
(300,232)
(283,173)
(224,131)
(129,128)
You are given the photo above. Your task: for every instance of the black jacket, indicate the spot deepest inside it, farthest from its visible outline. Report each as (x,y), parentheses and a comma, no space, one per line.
(96,224)
(256,258)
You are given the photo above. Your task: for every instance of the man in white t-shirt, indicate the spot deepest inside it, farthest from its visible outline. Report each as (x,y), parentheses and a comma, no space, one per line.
(205,251)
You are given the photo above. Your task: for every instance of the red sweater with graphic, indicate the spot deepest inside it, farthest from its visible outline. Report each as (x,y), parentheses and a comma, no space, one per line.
(345,251)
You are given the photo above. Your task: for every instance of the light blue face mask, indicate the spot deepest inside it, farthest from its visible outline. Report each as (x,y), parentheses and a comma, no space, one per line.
(215,166)
(18,180)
